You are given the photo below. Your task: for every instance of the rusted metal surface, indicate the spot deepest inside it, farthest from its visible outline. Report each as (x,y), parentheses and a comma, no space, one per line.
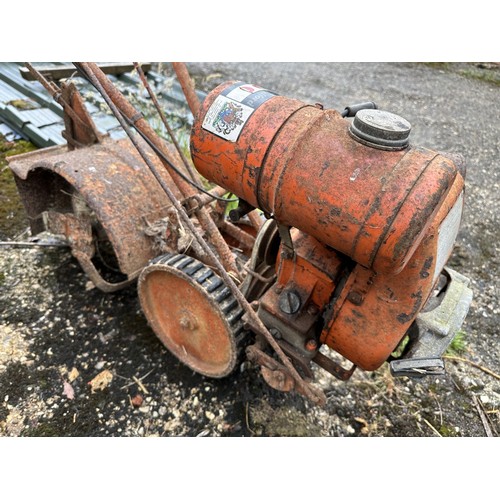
(204,198)
(192,313)
(300,164)
(313,269)
(356,246)
(78,232)
(381,208)
(237,165)
(255,219)
(277,375)
(260,269)
(187,86)
(244,239)
(77,120)
(78,133)
(211,231)
(109,180)
(332,367)
(292,307)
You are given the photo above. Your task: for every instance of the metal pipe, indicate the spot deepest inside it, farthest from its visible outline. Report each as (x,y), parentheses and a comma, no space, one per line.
(187,86)
(255,219)
(205,199)
(189,168)
(245,239)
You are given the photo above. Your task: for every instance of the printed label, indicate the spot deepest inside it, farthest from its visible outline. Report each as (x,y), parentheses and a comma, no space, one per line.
(228,114)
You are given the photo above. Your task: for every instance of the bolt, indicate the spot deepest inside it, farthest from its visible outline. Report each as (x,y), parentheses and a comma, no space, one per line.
(290,302)
(188,323)
(356,298)
(278,289)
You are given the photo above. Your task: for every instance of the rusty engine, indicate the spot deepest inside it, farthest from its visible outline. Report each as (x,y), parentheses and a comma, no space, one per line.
(339,239)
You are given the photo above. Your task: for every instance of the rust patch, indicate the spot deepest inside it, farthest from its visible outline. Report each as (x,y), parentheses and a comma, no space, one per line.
(405,318)
(424,273)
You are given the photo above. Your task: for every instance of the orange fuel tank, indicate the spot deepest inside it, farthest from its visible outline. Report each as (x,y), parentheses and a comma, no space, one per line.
(312,169)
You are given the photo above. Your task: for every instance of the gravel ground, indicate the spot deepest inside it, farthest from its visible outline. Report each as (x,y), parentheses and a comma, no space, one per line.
(77,362)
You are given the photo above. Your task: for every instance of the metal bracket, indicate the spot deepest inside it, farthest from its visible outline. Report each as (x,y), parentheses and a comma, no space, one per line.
(286,241)
(435,329)
(417,368)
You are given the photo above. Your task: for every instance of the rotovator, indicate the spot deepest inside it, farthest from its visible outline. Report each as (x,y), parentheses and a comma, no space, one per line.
(340,238)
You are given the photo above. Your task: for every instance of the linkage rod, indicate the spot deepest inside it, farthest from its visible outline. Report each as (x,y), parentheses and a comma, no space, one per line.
(314,394)
(121,104)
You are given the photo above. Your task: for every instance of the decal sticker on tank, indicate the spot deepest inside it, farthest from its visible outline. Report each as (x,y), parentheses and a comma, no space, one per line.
(228,114)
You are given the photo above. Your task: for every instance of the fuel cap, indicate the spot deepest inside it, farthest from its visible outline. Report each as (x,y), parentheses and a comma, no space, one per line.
(380,129)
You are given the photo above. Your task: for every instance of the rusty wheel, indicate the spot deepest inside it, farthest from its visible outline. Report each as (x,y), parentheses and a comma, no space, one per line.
(193,313)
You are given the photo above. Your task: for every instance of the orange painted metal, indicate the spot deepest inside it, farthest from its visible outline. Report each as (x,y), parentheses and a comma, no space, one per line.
(188,320)
(237,165)
(299,163)
(314,269)
(375,310)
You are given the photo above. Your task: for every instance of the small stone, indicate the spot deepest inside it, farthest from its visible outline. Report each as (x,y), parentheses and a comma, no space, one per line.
(101,381)
(136,401)
(73,375)
(209,415)
(162,410)
(484,398)
(170,425)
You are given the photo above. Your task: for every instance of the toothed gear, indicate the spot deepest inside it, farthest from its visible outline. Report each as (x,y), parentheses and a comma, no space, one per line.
(193,313)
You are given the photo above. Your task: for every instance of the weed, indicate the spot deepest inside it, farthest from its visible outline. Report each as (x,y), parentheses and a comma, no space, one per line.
(458,344)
